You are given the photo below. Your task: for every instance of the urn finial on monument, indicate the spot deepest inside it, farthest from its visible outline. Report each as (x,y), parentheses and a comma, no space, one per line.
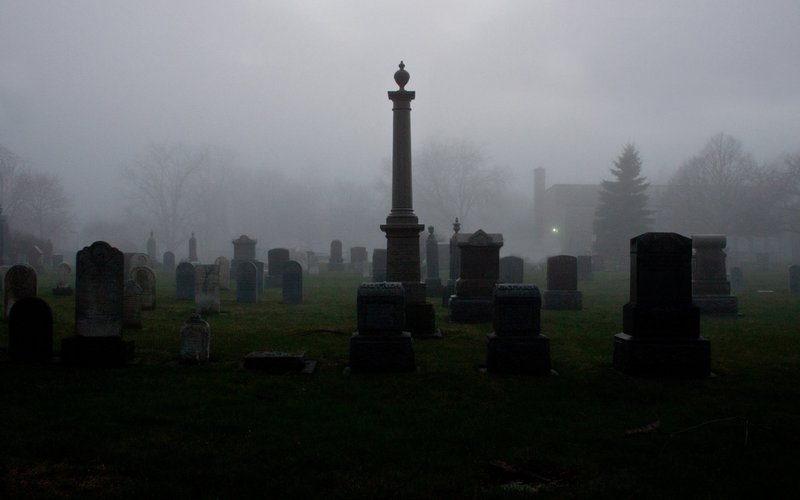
(401,76)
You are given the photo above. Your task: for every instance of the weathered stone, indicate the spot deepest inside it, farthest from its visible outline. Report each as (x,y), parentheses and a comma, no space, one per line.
(20,281)
(195,340)
(244,249)
(30,330)
(292,283)
(146,279)
(224,266)
(132,305)
(562,284)
(479,255)
(276,258)
(184,281)
(512,269)
(246,286)
(206,289)
(711,290)
(517,345)
(380,344)
(336,261)
(313,263)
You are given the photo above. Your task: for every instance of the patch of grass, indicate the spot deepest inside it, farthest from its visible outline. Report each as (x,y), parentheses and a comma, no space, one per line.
(159,428)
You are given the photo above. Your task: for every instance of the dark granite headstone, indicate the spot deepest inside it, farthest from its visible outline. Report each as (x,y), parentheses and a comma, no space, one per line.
(246,287)
(794,279)
(479,256)
(20,282)
(335,261)
(276,259)
(146,279)
(661,325)
(132,305)
(292,282)
(517,345)
(562,284)
(380,344)
(168,262)
(184,281)
(711,290)
(30,330)
(195,340)
(512,269)
(379,264)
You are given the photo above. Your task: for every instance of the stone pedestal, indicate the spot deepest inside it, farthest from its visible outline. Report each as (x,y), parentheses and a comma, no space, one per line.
(96,351)
(555,300)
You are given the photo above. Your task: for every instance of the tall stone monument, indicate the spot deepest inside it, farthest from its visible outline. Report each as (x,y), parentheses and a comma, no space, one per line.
(711,290)
(152,248)
(402,226)
(244,250)
(193,249)
(661,326)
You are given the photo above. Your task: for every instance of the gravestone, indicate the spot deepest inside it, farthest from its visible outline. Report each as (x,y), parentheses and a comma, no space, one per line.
(206,289)
(63,280)
(737,279)
(335,261)
(20,282)
(711,290)
(585,272)
(30,330)
(479,255)
(168,262)
(132,305)
(99,297)
(661,326)
(380,344)
(292,283)
(433,282)
(313,262)
(517,344)
(512,269)
(152,249)
(139,260)
(193,249)
(359,261)
(195,340)
(276,259)
(562,284)
(244,249)
(224,266)
(379,264)
(246,283)
(146,279)
(184,281)
(794,279)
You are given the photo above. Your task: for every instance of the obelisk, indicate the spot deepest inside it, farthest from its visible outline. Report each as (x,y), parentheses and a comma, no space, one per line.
(402,226)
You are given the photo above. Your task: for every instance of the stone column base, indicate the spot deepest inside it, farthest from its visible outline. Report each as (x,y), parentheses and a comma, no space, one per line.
(421,321)
(716,304)
(662,357)
(382,353)
(96,351)
(471,310)
(559,300)
(521,354)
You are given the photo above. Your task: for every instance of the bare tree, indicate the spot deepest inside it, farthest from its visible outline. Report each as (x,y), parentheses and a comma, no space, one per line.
(11,167)
(42,205)
(452,179)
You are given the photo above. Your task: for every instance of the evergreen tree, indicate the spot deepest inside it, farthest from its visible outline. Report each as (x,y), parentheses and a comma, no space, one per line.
(622,209)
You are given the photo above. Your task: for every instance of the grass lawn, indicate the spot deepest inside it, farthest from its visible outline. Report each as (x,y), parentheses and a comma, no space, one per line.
(161,429)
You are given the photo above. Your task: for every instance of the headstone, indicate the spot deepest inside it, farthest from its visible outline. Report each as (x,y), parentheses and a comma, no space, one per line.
(794,279)
(30,330)
(562,284)
(512,269)
(206,289)
(139,260)
(433,282)
(336,262)
(737,280)
(585,272)
(517,344)
(99,297)
(246,285)
(661,326)
(146,279)
(711,290)
(359,261)
(20,282)
(224,266)
(292,283)
(152,249)
(379,264)
(479,255)
(313,262)
(168,262)
(276,259)
(184,281)
(132,305)
(63,280)
(193,249)
(259,275)
(380,344)
(195,340)
(244,249)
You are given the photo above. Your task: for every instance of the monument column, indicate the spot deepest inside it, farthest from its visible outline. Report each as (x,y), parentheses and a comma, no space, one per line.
(402,226)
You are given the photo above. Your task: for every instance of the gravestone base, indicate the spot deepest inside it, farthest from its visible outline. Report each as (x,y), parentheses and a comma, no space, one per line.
(279,362)
(662,357)
(273,281)
(518,354)
(96,351)
(471,310)
(382,353)
(562,300)
(421,321)
(716,304)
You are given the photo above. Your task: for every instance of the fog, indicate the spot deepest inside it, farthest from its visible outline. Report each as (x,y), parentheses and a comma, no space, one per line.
(299,89)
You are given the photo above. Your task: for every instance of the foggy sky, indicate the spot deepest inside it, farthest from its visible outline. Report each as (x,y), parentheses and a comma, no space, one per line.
(301,86)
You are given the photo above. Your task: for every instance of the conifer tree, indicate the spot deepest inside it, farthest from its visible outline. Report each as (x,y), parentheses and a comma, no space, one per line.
(622,209)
